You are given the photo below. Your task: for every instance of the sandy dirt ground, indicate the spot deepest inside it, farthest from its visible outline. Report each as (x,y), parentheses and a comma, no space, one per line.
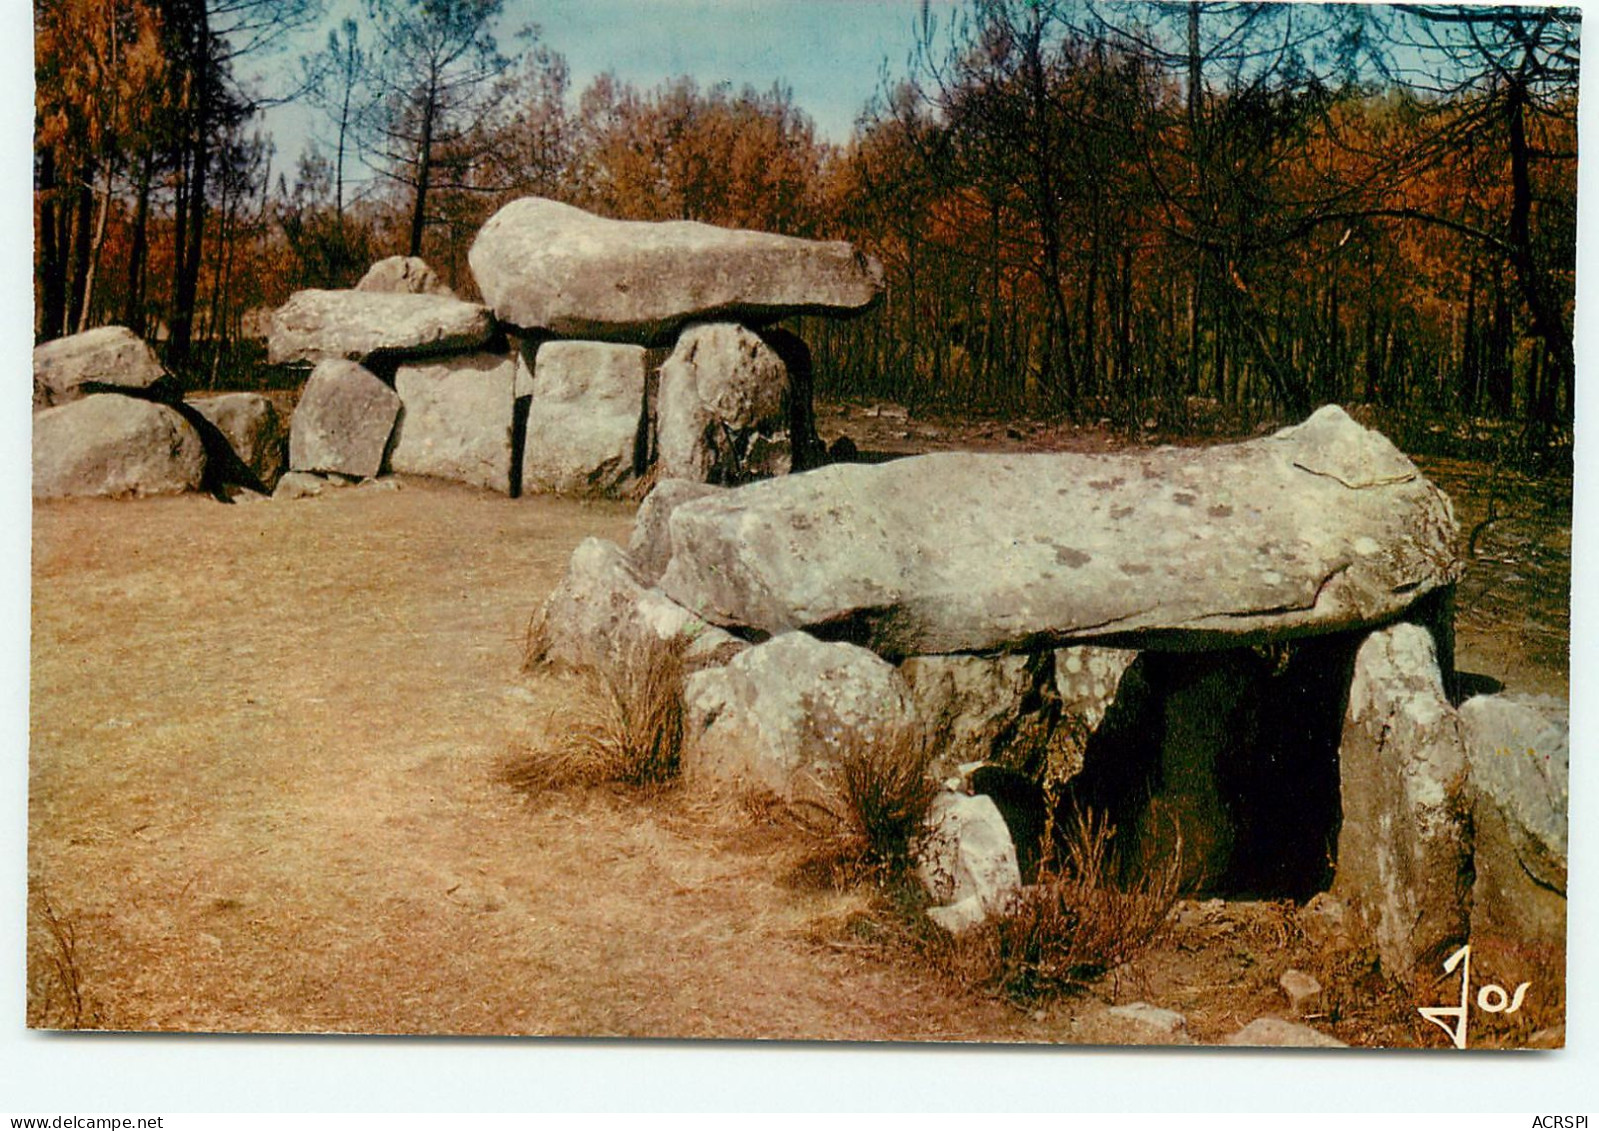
(266,794)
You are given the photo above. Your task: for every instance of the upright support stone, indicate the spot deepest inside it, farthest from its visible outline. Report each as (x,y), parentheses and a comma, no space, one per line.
(457,420)
(1404,850)
(651,544)
(600,615)
(250,425)
(722,390)
(343,421)
(1519,748)
(584,420)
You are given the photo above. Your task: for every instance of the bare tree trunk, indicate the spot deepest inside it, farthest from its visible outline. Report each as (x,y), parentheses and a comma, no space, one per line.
(82,218)
(94,251)
(52,255)
(133,305)
(424,161)
(1544,307)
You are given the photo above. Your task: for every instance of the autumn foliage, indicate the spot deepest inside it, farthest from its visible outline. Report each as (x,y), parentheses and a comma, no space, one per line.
(1118,211)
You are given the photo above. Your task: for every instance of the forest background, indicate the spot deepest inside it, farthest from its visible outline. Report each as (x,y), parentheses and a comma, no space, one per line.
(1195,216)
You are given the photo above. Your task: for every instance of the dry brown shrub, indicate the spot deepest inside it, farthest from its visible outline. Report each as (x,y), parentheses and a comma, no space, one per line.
(1078,922)
(869,809)
(625,725)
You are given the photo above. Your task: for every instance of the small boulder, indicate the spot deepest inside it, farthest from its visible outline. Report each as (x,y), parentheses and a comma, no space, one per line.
(583,424)
(650,548)
(600,614)
(303,485)
(403,275)
(1404,861)
(966,852)
(1274,1032)
(252,428)
(355,325)
(781,714)
(959,917)
(1327,923)
(343,421)
(108,444)
(109,359)
(1137,1023)
(1302,991)
(1160,1022)
(456,419)
(543,265)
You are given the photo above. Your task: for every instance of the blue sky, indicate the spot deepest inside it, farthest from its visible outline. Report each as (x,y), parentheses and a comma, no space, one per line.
(830,53)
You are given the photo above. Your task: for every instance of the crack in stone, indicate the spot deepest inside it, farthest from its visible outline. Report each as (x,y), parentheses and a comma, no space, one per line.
(1279,610)
(1389,482)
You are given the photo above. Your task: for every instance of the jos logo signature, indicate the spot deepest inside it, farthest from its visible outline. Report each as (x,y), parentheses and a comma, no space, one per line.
(1490,999)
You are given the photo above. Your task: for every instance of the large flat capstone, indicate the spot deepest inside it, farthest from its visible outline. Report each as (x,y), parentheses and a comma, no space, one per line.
(1322,527)
(317,325)
(543,265)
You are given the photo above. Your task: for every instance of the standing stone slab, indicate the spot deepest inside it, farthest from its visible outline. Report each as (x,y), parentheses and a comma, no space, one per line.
(543,265)
(1404,859)
(343,421)
(780,714)
(108,444)
(1087,679)
(1322,527)
(1519,749)
(456,420)
(110,359)
(403,275)
(583,424)
(319,325)
(722,391)
(252,428)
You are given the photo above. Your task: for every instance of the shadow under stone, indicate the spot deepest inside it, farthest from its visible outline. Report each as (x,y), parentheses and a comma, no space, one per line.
(1227,759)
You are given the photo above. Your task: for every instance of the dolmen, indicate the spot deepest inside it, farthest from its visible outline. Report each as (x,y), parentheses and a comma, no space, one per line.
(1239,654)
(606,354)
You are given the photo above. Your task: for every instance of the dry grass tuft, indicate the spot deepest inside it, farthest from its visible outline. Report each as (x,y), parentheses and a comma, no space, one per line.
(536,640)
(871,807)
(1077,923)
(627,726)
(61,1001)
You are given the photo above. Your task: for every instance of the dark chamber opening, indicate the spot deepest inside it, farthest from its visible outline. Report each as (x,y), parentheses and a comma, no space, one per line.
(1235,752)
